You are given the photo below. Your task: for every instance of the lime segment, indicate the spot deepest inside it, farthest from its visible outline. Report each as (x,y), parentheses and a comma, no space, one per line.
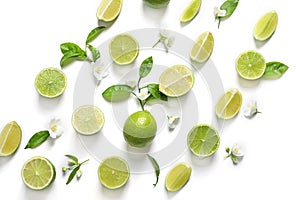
(88,120)
(203,140)
(113,172)
(265,26)
(38,173)
(10,138)
(178,177)
(203,47)
(191,11)
(109,10)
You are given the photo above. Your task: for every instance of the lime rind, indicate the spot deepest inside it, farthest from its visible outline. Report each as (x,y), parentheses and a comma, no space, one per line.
(266,26)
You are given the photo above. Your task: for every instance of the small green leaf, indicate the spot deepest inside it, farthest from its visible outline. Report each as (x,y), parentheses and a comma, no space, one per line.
(227,149)
(68,47)
(229,6)
(117,93)
(275,69)
(94,33)
(73,173)
(37,139)
(156,167)
(146,67)
(154,91)
(234,159)
(74,158)
(95,52)
(70,57)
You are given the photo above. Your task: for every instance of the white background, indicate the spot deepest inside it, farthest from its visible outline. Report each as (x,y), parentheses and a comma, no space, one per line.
(31,32)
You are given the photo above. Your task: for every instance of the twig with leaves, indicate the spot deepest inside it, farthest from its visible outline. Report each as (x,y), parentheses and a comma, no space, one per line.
(73,166)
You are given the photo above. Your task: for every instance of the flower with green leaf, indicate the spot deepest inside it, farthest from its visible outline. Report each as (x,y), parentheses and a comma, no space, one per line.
(165,39)
(225,10)
(235,153)
(251,109)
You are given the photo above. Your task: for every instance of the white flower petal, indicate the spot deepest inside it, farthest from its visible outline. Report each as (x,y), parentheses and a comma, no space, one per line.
(218,12)
(237,151)
(170,41)
(250,109)
(55,128)
(143,94)
(172,121)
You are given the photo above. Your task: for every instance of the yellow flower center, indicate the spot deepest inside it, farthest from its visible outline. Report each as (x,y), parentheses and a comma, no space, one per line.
(54,127)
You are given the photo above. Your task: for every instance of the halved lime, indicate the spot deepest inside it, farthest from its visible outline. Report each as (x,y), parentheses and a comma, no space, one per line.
(176,81)
(178,177)
(203,140)
(88,120)
(229,104)
(250,65)
(51,82)
(191,11)
(123,49)
(109,10)
(265,26)
(113,172)
(38,173)
(203,47)
(10,138)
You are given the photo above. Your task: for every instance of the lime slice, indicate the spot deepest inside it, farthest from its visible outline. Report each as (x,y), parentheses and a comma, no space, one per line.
(250,65)
(113,172)
(203,140)
(176,81)
(229,104)
(51,82)
(203,47)
(265,26)
(109,10)
(156,3)
(10,138)
(123,49)
(87,120)
(38,173)
(178,177)
(191,11)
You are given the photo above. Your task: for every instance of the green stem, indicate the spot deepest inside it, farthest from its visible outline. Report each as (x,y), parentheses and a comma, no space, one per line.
(156,43)
(219,18)
(84,162)
(140,101)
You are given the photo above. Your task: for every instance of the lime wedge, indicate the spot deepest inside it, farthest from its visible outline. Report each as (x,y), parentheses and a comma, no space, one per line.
(87,120)
(191,11)
(176,81)
(203,140)
(51,82)
(109,10)
(123,49)
(178,177)
(10,138)
(203,47)
(229,104)
(265,26)
(250,65)
(38,173)
(113,172)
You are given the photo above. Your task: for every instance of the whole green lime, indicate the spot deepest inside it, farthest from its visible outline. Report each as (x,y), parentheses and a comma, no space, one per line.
(156,3)
(140,129)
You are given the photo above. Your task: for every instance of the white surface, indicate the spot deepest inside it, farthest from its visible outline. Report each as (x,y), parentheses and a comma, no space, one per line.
(31,32)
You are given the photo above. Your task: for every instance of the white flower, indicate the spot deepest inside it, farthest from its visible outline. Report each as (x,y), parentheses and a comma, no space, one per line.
(55,128)
(172,121)
(251,109)
(99,72)
(143,94)
(165,39)
(218,12)
(237,151)
(170,41)
(78,174)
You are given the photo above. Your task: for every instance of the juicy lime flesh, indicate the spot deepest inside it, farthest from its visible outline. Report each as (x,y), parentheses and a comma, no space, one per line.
(88,120)
(124,49)
(178,177)
(156,3)
(176,81)
(38,173)
(191,11)
(251,65)
(10,138)
(229,104)
(203,140)
(203,47)
(51,82)
(266,26)
(140,129)
(113,172)
(109,9)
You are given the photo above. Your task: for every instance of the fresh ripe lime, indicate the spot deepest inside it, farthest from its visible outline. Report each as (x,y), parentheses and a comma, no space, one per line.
(265,26)
(178,177)
(229,104)
(156,3)
(113,172)
(191,11)
(51,82)
(250,65)
(38,173)
(203,47)
(109,10)
(203,140)
(139,129)
(10,138)
(176,81)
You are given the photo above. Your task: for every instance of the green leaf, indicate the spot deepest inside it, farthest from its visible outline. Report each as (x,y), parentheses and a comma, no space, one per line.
(154,91)
(146,67)
(117,93)
(68,47)
(234,159)
(156,167)
(37,139)
(229,6)
(275,69)
(74,158)
(94,33)
(70,57)
(73,173)
(95,52)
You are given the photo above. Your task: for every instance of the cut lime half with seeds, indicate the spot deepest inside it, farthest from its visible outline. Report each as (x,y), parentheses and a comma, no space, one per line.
(266,26)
